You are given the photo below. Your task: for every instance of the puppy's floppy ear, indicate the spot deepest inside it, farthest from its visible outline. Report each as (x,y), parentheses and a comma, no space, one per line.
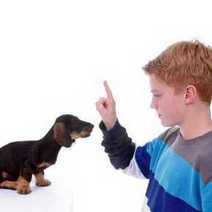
(61,135)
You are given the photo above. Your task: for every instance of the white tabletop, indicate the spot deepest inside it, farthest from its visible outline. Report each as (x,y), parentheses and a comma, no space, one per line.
(53,198)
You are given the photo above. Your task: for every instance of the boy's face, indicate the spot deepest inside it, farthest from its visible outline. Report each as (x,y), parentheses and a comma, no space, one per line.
(169,106)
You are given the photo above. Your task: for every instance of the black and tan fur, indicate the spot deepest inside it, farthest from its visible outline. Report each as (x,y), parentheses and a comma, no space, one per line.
(20,160)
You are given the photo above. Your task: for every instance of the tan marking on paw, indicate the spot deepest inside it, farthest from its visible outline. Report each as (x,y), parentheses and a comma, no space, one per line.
(9,184)
(41,181)
(23,186)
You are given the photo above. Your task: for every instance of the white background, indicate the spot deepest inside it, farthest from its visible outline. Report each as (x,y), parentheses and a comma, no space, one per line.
(54,56)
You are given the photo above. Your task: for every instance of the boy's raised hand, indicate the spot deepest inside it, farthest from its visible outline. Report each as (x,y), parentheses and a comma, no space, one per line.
(106,107)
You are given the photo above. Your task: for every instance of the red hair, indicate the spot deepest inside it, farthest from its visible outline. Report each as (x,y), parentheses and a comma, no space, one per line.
(185,63)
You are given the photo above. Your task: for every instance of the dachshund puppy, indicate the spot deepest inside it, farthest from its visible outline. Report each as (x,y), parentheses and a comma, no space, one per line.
(20,160)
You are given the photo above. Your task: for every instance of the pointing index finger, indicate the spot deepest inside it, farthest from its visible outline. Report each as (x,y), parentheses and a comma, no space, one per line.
(108,90)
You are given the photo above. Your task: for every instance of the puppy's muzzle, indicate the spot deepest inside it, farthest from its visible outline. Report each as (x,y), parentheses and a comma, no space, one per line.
(86,131)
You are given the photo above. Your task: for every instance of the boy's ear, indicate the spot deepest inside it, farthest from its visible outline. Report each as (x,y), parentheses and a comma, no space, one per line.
(190,94)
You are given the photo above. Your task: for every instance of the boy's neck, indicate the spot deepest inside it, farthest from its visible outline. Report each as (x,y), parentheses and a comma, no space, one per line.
(196,124)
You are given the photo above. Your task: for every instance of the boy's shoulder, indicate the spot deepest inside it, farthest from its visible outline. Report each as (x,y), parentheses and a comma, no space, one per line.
(197,152)
(169,135)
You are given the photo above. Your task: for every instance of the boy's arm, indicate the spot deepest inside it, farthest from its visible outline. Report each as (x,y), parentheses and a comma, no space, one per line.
(118,145)
(124,154)
(137,161)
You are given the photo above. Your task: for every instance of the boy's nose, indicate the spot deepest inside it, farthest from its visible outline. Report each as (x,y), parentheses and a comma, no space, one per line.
(153,105)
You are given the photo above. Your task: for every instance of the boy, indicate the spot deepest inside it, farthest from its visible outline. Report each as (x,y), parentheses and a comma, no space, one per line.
(178,164)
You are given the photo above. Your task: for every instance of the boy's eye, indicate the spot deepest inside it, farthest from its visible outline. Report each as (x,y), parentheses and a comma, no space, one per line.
(157,95)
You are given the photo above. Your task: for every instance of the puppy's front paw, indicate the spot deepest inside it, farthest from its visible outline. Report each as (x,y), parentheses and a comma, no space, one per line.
(23,186)
(43,183)
(23,189)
